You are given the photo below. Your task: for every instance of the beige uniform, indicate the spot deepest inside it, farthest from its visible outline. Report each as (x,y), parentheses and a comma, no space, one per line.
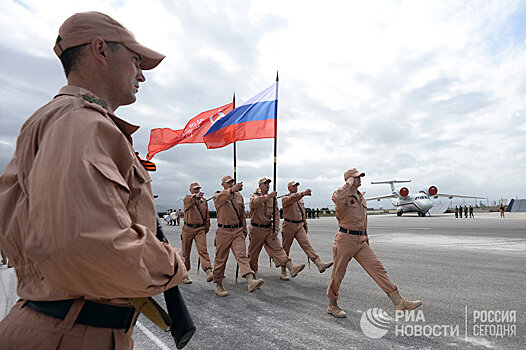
(78,222)
(261,230)
(196,226)
(232,235)
(351,212)
(295,225)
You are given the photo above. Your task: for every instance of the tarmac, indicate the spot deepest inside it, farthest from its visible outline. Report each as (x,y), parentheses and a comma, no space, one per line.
(469,274)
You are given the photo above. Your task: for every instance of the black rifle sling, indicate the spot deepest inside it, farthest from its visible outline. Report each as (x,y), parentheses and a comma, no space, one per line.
(200,212)
(233,206)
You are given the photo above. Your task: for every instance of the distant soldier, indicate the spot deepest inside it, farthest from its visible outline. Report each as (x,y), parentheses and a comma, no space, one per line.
(460,211)
(262,205)
(352,242)
(471,212)
(456,211)
(317,213)
(295,226)
(231,233)
(173,217)
(466,211)
(501,209)
(196,226)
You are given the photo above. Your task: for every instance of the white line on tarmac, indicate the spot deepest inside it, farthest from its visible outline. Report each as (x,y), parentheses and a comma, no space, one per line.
(152,337)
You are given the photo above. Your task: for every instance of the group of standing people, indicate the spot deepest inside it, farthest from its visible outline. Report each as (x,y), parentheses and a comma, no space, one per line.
(458,211)
(173,217)
(351,241)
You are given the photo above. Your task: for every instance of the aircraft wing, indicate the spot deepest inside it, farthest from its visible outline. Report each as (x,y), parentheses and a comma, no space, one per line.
(456,195)
(381,197)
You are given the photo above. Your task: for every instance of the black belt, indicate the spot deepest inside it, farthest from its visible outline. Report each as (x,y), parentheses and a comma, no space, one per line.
(91,314)
(352,232)
(260,226)
(293,221)
(194,225)
(229,226)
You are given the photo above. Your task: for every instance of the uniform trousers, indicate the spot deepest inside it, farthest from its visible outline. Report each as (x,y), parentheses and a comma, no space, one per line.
(291,231)
(225,240)
(260,237)
(24,328)
(190,234)
(348,246)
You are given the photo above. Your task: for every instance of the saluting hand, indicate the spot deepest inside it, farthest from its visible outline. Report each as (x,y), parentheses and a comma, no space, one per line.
(307,192)
(273,194)
(237,187)
(350,180)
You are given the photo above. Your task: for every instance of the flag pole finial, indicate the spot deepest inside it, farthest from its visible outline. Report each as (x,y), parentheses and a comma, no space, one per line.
(277,75)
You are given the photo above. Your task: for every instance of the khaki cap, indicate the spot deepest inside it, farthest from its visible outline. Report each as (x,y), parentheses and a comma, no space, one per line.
(194,185)
(263,180)
(352,173)
(292,183)
(83,27)
(226,179)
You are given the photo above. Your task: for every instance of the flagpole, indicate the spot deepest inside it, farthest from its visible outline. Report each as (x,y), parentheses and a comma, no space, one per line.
(275,158)
(235,170)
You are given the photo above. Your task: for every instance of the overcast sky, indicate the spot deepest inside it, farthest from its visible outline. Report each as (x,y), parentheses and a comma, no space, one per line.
(432,91)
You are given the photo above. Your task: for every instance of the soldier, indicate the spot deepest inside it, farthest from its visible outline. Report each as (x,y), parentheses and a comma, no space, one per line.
(466,211)
(456,211)
(460,211)
(87,238)
(262,205)
(295,226)
(231,233)
(352,242)
(471,212)
(196,226)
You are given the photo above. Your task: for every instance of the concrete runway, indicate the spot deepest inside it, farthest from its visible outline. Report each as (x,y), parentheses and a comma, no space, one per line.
(459,268)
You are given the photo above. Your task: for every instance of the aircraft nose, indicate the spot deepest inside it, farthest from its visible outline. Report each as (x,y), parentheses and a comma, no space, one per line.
(427,204)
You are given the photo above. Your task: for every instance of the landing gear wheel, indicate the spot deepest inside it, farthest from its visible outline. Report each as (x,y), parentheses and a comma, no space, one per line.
(398,213)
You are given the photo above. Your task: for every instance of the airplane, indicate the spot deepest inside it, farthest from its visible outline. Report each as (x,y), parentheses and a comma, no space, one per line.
(420,202)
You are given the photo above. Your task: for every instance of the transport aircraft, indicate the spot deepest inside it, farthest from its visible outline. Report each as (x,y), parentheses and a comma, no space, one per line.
(420,202)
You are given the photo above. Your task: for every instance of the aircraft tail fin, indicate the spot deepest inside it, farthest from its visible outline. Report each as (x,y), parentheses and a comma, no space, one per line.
(391,183)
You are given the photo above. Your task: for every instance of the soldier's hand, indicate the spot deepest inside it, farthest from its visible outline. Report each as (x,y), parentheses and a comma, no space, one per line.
(200,195)
(307,192)
(350,180)
(237,187)
(273,194)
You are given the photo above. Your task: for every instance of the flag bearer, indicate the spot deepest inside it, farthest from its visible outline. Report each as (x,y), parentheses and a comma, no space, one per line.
(262,205)
(352,242)
(231,233)
(295,227)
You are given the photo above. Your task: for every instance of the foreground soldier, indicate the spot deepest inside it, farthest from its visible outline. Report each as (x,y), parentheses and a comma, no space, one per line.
(352,242)
(231,233)
(196,226)
(261,205)
(295,226)
(74,159)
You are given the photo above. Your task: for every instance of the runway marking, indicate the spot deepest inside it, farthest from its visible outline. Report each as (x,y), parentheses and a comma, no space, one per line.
(152,337)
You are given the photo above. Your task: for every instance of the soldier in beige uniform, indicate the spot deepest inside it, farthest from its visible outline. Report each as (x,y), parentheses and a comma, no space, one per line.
(196,226)
(231,233)
(77,216)
(262,205)
(352,242)
(295,227)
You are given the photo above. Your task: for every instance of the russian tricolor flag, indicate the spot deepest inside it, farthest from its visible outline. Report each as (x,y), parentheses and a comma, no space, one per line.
(253,119)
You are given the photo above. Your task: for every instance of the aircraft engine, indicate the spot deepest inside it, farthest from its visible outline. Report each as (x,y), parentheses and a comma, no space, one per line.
(404,192)
(432,190)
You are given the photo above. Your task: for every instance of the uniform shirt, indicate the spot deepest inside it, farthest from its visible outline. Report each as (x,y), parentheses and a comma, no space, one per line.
(78,217)
(225,211)
(293,207)
(191,213)
(261,206)
(351,209)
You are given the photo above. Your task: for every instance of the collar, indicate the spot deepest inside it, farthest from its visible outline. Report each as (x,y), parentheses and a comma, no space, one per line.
(85,94)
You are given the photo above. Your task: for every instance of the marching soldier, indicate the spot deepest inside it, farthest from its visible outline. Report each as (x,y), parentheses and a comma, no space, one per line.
(295,226)
(196,226)
(74,156)
(231,233)
(261,215)
(352,242)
